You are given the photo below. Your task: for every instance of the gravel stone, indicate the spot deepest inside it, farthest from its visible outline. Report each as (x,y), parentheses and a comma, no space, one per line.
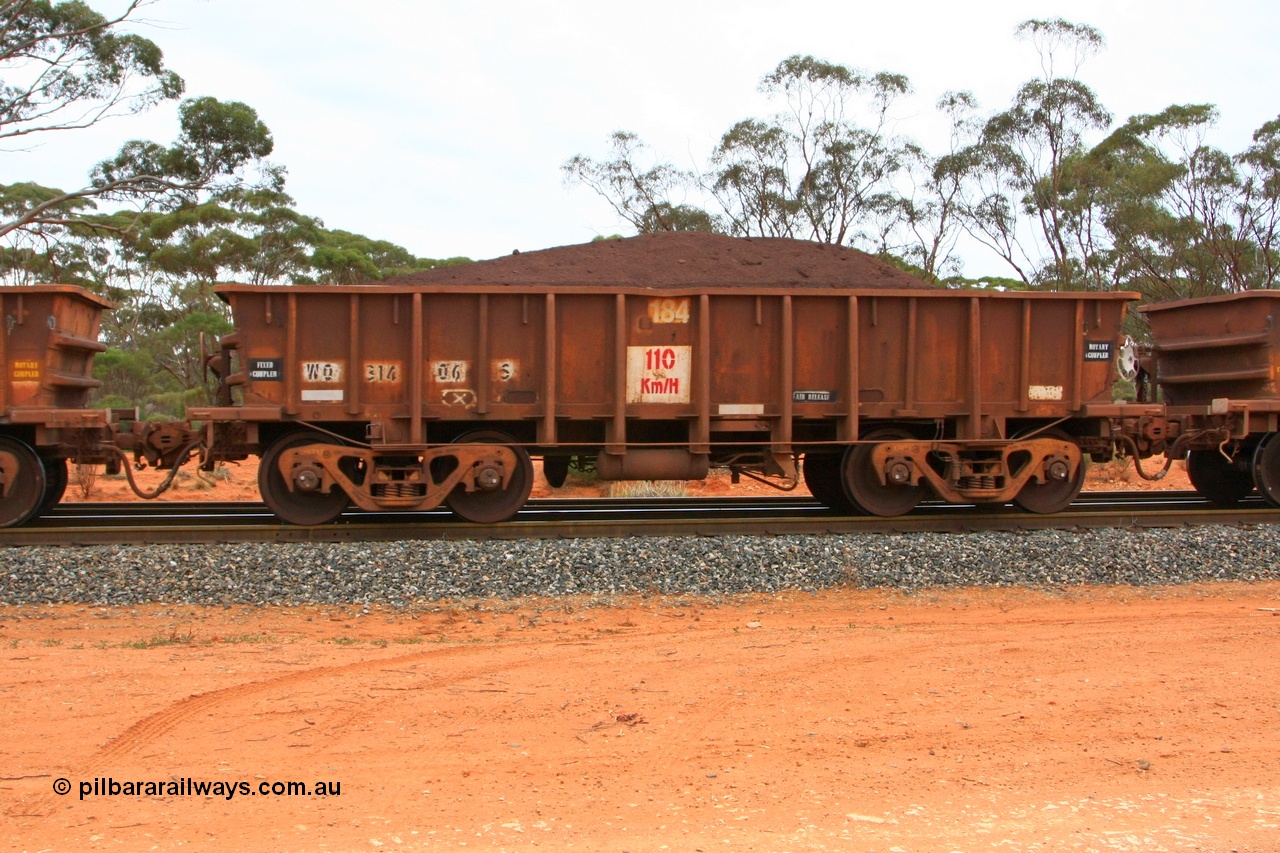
(402,574)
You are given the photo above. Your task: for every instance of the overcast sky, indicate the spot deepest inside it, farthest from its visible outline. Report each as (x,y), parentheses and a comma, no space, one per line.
(442,126)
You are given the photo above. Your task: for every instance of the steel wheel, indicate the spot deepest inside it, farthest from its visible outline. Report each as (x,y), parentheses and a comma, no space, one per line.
(298,506)
(489,506)
(55,483)
(1266,468)
(24,479)
(862,483)
(1217,479)
(822,476)
(1052,495)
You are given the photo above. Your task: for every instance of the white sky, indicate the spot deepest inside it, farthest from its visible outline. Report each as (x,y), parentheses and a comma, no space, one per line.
(442,126)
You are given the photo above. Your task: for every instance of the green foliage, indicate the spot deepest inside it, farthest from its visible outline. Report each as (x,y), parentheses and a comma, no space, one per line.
(192,214)
(751,180)
(824,167)
(677,217)
(1016,170)
(931,213)
(87,69)
(63,67)
(127,377)
(340,257)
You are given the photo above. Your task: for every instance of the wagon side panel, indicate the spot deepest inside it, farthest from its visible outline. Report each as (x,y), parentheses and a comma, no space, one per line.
(1217,348)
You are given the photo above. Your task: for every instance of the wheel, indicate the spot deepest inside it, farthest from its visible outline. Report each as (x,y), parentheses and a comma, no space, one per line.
(1053,495)
(1217,479)
(1266,468)
(298,506)
(822,476)
(24,479)
(489,506)
(55,483)
(862,483)
(556,470)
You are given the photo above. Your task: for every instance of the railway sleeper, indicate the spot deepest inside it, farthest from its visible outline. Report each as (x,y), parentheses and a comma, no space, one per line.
(977,471)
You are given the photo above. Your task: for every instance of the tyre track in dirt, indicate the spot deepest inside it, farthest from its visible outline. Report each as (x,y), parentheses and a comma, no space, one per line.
(151,728)
(166,720)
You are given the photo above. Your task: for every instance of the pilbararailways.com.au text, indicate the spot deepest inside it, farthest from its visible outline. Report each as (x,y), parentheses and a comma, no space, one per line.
(106,786)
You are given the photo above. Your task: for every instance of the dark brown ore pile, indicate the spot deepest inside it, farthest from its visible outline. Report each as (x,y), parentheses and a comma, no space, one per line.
(679,259)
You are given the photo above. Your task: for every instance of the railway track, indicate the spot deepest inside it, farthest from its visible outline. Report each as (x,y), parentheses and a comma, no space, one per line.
(155,522)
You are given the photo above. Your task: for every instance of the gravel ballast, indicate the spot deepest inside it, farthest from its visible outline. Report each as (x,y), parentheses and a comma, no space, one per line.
(402,574)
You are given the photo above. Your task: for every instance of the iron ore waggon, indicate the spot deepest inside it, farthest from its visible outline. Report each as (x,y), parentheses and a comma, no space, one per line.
(1216,362)
(407,396)
(47,345)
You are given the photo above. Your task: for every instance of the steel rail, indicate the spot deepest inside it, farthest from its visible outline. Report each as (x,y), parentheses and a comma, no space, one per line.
(148,523)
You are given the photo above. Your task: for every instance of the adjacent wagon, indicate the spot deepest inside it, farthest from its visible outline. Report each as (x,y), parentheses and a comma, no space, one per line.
(1216,362)
(47,345)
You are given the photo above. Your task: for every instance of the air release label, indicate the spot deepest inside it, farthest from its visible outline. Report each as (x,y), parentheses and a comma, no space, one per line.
(813,396)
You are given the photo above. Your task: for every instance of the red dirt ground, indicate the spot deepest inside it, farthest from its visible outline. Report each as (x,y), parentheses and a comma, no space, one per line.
(997,719)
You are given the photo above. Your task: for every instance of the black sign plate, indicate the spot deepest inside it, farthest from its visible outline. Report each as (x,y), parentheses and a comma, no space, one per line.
(1097,350)
(266,369)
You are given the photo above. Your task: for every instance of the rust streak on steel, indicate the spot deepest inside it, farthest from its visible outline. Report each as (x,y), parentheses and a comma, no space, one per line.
(549,371)
(782,440)
(616,442)
(1077,361)
(702,379)
(292,372)
(852,337)
(1024,360)
(975,368)
(353,357)
(417,431)
(482,357)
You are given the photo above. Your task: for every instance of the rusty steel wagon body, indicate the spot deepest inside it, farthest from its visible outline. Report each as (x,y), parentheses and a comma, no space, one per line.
(404,397)
(47,345)
(1216,361)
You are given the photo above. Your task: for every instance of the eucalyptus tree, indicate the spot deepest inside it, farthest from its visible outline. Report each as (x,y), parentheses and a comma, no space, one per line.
(640,195)
(751,179)
(1185,218)
(931,208)
(65,67)
(1259,165)
(1016,170)
(824,167)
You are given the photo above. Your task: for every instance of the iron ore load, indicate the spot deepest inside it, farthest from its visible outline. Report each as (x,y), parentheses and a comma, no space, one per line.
(662,357)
